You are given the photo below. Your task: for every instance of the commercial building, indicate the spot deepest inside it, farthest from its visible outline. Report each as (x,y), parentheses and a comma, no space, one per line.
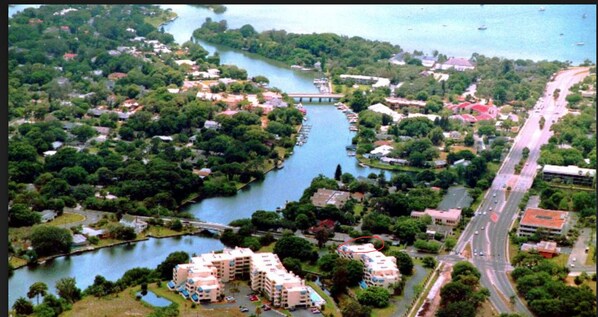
(547,249)
(449,217)
(553,222)
(202,279)
(569,174)
(379,269)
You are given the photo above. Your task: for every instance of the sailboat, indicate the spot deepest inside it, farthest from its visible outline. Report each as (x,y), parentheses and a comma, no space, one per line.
(580,43)
(482,27)
(542,9)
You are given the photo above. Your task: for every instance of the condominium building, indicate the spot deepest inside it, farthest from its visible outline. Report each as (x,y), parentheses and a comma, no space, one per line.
(379,270)
(571,173)
(282,288)
(202,279)
(449,217)
(553,222)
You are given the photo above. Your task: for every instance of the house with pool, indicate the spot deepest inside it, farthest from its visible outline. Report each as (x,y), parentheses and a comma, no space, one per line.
(201,280)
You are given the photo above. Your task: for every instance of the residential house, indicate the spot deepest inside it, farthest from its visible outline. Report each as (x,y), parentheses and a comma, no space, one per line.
(459,64)
(328,224)
(133,222)
(204,172)
(79,240)
(381,151)
(211,124)
(380,108)
(48,215)
(324,197)
(553,222)
(56,145)
(69,56)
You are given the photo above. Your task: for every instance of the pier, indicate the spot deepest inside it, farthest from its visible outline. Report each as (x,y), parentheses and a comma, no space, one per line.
(315,96)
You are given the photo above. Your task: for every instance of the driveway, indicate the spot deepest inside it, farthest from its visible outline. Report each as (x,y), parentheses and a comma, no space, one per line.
(91,216)
(579,252)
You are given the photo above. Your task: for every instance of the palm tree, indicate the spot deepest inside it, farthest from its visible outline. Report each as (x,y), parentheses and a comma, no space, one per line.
(36,289)
(23,306)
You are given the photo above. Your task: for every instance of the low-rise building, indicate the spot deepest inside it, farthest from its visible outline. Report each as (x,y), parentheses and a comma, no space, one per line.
(324,197)
(569,174)
(134,222)
(47,215)
(553,222)
(449,217)
(547,249)
(379,270)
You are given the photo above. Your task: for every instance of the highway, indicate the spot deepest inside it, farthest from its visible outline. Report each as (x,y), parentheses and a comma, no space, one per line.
(500,207)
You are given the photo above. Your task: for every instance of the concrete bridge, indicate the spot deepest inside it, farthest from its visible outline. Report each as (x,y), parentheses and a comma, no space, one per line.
(196,224)
(313,96)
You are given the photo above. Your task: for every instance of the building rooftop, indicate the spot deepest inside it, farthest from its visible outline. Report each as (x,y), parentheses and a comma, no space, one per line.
(570,170)
(536,217)
(451,214)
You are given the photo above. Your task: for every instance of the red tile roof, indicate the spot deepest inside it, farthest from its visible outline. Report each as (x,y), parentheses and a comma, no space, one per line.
(480,108)
(69,55)
(483,116)
(536,217)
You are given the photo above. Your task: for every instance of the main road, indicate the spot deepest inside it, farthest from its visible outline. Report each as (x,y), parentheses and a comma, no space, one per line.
(488,230)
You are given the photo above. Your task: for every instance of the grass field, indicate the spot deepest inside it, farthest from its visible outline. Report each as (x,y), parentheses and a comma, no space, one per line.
(160,18)
(66,218)
(560,259)
(591,260)
(121,304)
(159,231)
(268,248)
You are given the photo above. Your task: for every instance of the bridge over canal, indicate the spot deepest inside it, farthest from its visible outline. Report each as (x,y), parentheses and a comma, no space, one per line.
(315,96)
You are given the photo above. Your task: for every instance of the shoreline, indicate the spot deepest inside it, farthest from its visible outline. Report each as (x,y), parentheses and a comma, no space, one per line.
(94,248)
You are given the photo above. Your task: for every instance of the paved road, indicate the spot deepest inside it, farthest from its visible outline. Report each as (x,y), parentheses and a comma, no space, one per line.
(501,207)
(578,254)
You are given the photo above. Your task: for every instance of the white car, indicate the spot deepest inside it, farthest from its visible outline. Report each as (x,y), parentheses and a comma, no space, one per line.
(483,228)
(494,195)
(490,209)
(484,213)
(477,232)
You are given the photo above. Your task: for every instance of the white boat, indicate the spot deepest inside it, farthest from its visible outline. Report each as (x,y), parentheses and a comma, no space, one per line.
(280,165)
(482,27)
(542,9)
(362,165)
(580,43)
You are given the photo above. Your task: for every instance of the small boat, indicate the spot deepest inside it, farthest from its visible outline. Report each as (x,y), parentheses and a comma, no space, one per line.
(280,165)
(542,9)
(584,16)
(362,165)
(482,27)
(561,34)
(580,43)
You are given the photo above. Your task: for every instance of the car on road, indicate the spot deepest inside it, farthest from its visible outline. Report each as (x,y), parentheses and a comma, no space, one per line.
(475,252)
(315,311)
(477,232)
(483,228)
(574,259)
(266,307)
(485,212)
(229,299)
(253,298)
(481,253)
(494,195)
(572,265)
(243,309)
(490,209)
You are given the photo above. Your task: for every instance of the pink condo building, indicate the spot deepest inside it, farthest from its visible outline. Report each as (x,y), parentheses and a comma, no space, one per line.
(202,279)
(379,270)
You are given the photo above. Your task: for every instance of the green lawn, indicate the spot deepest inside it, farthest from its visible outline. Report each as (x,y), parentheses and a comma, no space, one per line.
(591,260)
(310,267)
(560,259)
(268,248)
(160,18)
(159,231)
(358,209)
(66,218)
(330,306)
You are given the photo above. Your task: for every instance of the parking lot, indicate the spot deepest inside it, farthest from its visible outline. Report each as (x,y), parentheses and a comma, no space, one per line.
(456,197)
(241,299)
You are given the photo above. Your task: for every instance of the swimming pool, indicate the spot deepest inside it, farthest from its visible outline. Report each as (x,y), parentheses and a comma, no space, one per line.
(315,297)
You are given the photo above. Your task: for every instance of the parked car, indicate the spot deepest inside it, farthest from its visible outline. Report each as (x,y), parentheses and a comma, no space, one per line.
(481,253)
(253,298)
(315,311)
(266,307)
(483,228)
(477,232)
(229,299)
(243,309)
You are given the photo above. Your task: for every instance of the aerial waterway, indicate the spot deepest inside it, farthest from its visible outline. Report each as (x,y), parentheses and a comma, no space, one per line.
(328,136)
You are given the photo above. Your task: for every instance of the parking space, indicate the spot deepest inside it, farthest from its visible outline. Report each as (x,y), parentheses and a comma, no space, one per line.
(456,197)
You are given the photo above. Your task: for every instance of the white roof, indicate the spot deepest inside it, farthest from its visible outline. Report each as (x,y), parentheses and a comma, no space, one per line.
(380,108)
(382,149)
(571,170)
